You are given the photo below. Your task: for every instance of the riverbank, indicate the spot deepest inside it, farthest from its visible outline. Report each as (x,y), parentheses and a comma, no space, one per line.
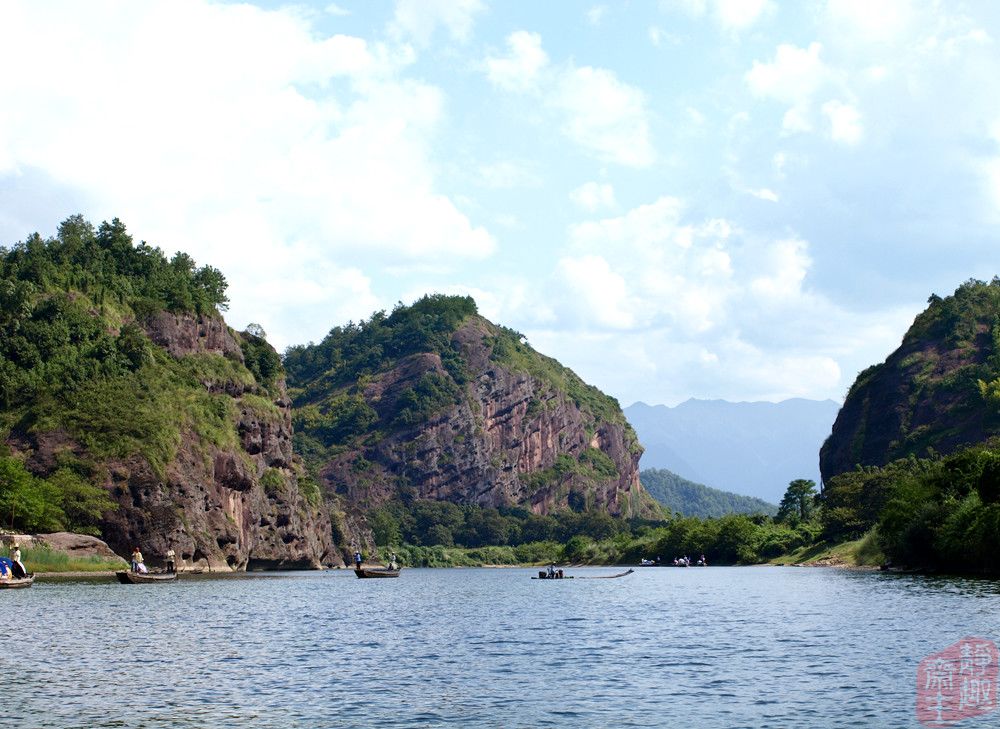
(63,553)
(863,553)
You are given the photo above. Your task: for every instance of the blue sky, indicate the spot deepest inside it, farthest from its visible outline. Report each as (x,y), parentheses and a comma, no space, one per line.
(739,199)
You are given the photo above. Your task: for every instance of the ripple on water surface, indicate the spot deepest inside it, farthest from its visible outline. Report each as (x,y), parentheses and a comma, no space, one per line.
(718,647)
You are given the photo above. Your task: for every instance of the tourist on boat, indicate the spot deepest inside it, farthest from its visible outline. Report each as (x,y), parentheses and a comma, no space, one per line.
(552,570)
(171,564)
(137,561)
(15,557)
(4,571)
(357,559)
(393,563)
(18,569)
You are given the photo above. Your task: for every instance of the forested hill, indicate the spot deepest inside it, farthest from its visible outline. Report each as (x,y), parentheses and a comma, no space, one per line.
(688,498)
(129,409)
(939,391)
(432,401)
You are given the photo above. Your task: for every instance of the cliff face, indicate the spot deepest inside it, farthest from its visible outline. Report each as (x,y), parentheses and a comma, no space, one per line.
(935,391)
(128,408)
(507,432)
(231,504)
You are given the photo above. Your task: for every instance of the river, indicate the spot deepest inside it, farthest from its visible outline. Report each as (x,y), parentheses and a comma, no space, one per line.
(663,647)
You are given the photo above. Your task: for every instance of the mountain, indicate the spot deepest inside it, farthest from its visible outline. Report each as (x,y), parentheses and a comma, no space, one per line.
(753,448)
(688,498)
(435,402)
(939,391)
(129,409)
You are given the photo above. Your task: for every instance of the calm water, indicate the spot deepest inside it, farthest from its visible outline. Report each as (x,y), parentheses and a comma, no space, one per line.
(716,647)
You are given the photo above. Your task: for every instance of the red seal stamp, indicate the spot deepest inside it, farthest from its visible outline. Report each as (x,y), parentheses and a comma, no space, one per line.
(957,683)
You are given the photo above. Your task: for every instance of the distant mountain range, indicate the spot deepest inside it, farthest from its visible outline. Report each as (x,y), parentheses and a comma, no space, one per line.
(752,448)
(694,499)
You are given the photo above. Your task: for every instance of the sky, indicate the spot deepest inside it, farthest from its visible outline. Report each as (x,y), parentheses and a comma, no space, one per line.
(736,199)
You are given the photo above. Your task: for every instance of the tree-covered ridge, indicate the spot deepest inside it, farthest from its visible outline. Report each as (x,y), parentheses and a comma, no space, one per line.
(965,325)
(107,268)
(69,306)
(939,390)
(351,352)
(688,498)
(75,359)
(327,379)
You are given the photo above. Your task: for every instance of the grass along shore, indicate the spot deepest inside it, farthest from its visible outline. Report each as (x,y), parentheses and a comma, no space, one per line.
(40,560)
(860,553)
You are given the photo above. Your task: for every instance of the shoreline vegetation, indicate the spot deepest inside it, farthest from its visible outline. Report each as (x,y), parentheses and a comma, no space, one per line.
(44,560)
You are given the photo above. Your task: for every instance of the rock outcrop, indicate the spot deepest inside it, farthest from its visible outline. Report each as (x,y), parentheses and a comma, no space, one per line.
(513,429)
(68,543)
(233,504)
(128,405)
(938,391)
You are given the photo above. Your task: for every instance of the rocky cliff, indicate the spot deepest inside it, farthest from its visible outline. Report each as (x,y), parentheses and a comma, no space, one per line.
(131,410)
(939,390)
(436,402)
(223,503)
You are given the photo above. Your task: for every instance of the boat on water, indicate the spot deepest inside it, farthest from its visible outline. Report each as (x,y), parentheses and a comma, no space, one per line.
(368,572)
(127,577)
(17,582)
(559,575)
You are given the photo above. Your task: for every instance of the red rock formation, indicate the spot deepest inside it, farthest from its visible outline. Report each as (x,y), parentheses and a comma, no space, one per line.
(230,507)
(513,439)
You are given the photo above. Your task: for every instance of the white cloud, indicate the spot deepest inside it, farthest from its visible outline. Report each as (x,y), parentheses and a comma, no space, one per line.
(764,193)
(334,9)
(605,116)
(654,305)
(786,263)
(596,14)
(793,76)
(731,16)
(419,19)
(694,8)
(509,174)
(520,69)
(874,21)
(318,141)
(796,76)
(738,15)
(600,113)
(594,196)
(695,116)
(845,122)
(603,291)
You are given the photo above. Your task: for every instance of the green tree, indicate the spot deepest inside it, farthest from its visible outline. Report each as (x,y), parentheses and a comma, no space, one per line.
(82,502)
(798,502)
(27,502)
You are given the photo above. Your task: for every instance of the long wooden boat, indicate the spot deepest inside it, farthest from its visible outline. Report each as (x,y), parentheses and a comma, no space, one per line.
(367,572)
(543,575)
(127,577)
(17,583)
